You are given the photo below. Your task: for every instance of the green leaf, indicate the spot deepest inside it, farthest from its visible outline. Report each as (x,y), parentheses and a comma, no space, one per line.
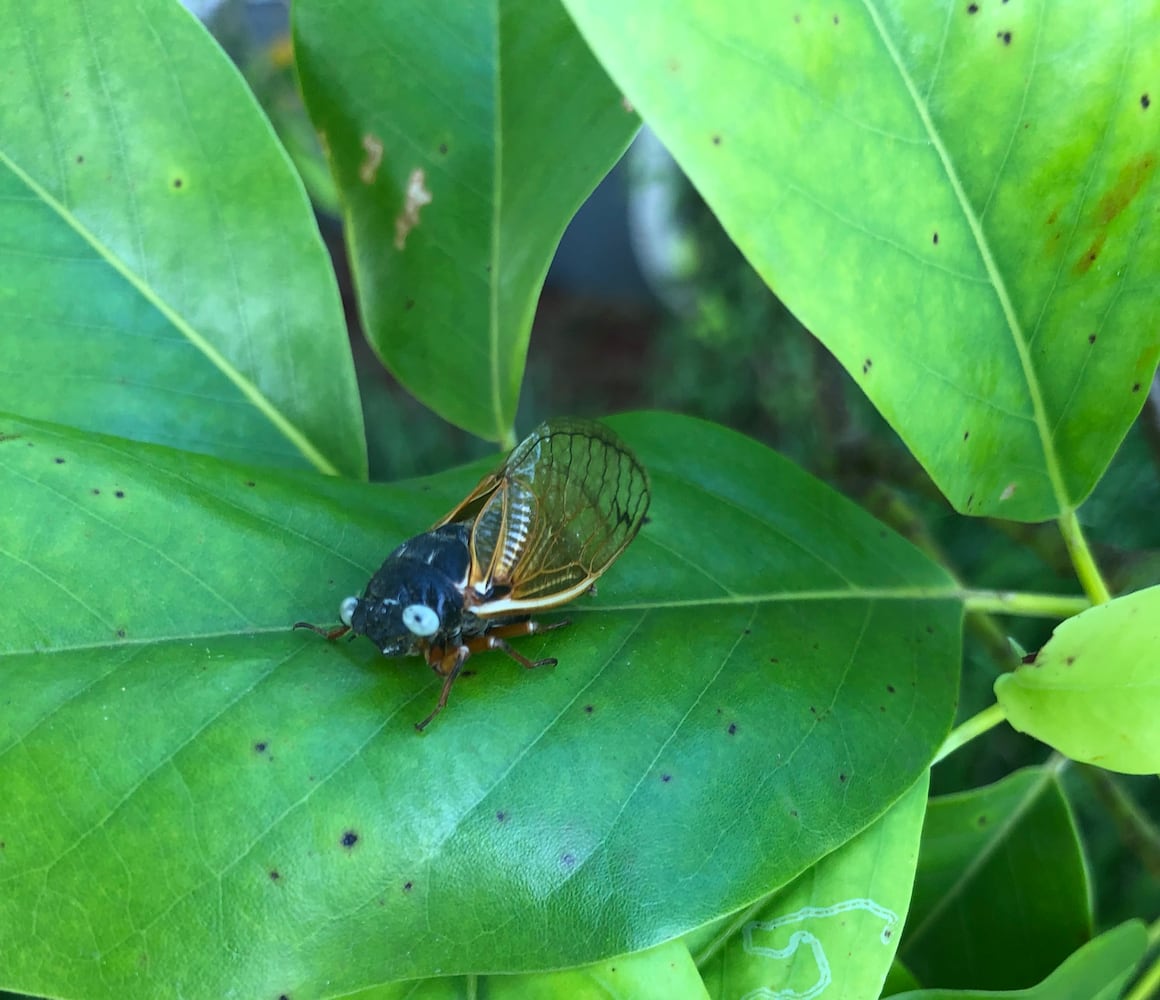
(150,221)
(1093,692)
(836,928)
(981,917)
(1097,971)
(463,138)
(977,251)
(185,778)
(660,973)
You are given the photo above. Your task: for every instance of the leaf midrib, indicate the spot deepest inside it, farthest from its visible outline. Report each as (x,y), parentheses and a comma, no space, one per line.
(1018,336)
(249,390)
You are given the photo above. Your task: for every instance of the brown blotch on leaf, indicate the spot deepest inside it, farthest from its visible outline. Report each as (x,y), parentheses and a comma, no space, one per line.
(368,170)
(415,197)
(1131,178)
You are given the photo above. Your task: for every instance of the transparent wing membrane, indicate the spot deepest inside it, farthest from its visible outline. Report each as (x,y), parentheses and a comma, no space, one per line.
(564,505)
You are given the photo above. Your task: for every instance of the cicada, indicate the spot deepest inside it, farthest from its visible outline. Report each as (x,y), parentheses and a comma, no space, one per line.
(533,535)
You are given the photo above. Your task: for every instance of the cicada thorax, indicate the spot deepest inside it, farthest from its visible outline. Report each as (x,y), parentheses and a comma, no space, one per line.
(415,599)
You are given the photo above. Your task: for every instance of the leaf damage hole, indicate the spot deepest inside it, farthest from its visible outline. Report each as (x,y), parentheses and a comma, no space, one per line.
(368,170)
(415,197)
(349,839)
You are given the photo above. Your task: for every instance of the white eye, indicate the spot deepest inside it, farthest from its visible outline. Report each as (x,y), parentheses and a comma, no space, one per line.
(420,619)
(346,610)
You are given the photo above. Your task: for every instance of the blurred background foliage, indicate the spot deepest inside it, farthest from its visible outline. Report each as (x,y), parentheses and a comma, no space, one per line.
(649,305)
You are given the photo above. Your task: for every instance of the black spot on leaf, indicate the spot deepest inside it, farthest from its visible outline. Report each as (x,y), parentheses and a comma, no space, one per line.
(732,728)
(349,839)
(275,874)
(666,778)
(260,746)
(1004,37)
(119,494)
(408,886)
(972,8)
(59,461)
(1091,338)
(934,239)
(1145,101)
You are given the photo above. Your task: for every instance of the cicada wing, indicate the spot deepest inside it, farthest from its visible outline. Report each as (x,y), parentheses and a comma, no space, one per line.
(570,499)
(470,505)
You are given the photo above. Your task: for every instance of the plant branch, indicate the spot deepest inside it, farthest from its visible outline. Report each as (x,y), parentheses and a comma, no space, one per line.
(1026,605)
(963,733)
(1137,832)
(1082,559)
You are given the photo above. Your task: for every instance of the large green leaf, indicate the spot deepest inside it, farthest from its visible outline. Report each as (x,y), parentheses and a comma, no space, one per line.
(836,928)
(150,221)
(1097,971)
(193,794)
(983,916)
(463,138)
(956,198)
(1093,691)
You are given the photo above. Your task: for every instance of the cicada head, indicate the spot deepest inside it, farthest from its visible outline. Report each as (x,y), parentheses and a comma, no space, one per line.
(406,602)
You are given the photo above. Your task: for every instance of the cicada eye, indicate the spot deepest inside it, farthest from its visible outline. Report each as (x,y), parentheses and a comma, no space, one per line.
(420,620)
(346,610)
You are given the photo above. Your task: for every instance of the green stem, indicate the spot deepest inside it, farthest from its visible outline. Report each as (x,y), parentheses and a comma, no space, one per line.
(1148,984)
(976,725)
(1082,559)
(1006,602)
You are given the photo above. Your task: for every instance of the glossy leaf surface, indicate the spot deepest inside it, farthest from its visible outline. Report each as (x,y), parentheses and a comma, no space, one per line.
(1093,692)
(195,790)
(463,138)
(150,220)
(957,199)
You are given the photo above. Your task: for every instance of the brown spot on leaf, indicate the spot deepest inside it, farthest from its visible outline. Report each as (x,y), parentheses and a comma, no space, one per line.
(414,198)
(368,170)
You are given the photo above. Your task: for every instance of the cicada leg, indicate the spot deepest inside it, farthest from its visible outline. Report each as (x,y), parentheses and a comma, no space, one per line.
(447,664)
(329,634)
(496,639)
